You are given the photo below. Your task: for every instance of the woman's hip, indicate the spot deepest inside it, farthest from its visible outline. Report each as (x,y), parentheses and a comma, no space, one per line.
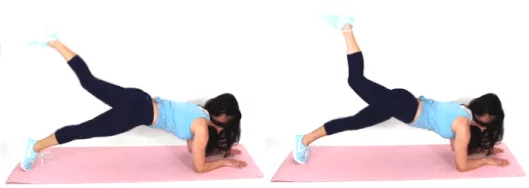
(141,105)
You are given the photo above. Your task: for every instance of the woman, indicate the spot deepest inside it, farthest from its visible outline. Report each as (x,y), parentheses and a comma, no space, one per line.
(471,129)
(210,130)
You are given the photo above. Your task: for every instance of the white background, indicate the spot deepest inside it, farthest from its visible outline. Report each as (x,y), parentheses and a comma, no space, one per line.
(286,67)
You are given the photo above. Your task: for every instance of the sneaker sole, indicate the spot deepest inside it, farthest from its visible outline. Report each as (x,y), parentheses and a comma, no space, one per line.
(294,151)
(25,141)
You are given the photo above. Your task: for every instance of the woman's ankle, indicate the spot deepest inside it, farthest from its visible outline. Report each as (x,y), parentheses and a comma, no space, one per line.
(347,27)
(37,147)
(305,141)
(54,43)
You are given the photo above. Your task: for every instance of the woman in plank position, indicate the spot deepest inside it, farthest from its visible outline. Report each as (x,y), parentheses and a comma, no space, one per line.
(209,130)
(473,128)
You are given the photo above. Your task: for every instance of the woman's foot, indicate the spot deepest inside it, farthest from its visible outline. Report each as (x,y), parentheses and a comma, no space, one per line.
(29,155)
(301,152)
(340,22)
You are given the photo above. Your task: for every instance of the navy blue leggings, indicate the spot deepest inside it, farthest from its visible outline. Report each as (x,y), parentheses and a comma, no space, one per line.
(383,103)
(130,107)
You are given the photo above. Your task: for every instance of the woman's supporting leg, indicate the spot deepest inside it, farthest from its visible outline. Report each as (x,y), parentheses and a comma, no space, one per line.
(109,93)
(367,117)
(136,109)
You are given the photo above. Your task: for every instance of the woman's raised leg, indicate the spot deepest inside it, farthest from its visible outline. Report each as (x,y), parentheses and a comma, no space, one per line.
(109,93)
(372,93)
(398,103)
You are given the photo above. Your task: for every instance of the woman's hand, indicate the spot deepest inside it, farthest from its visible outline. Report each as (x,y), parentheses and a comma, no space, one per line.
(494,161)
(460,144)
(234,152)
(496,151)
(235,163)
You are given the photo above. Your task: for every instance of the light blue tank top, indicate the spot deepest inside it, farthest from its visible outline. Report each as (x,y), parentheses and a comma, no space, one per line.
(438,116)
(177,117)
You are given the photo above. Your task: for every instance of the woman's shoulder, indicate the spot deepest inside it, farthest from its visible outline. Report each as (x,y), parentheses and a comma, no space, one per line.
(460,123)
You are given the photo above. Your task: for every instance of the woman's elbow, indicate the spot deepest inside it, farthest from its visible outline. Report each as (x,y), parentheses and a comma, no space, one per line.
(199,169)
(461,168)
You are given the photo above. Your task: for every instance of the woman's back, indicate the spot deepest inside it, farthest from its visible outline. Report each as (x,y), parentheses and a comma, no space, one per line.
(177,117)
(438,116)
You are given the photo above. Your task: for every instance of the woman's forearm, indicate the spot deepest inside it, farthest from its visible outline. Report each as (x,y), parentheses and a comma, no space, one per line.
(473,164)
(221,153)
(211,165)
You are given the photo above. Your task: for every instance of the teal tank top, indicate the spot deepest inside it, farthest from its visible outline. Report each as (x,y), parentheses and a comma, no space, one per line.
(177,117)
(438,116)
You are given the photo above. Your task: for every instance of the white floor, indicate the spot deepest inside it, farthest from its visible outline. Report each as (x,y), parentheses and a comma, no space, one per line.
(387,134)
(140,136)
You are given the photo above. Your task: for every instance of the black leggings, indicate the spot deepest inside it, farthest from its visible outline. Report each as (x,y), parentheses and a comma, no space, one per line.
(383,103)
(131,107)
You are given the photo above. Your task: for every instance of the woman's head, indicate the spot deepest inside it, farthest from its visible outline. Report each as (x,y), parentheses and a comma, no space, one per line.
(488,116)
(226,117)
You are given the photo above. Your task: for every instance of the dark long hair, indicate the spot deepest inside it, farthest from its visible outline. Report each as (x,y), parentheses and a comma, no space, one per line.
(493,134)
(230,134)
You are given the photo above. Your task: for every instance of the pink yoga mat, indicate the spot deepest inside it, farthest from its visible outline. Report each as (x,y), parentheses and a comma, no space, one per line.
(76,165)
(387,163)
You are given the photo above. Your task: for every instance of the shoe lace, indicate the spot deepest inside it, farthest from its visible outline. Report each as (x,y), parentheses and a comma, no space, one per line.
(42,156)
(309,151)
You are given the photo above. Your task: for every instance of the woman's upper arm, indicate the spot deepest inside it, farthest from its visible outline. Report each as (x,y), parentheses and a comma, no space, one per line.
(460,146)
(198,146)
(189,145)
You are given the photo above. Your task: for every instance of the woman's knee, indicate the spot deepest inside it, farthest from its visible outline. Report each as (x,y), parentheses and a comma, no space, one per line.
(90,84)
(339,125)
(69,133)
(355,81)
(331,128)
